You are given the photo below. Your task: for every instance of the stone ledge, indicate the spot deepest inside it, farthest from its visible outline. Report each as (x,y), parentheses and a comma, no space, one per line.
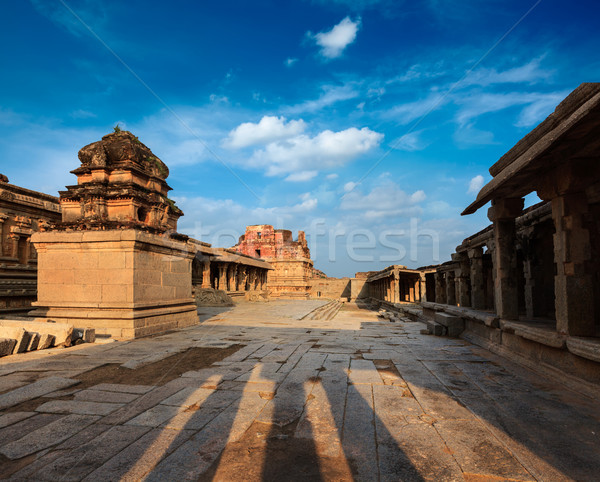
(585,347)
(485,317)
(545,336)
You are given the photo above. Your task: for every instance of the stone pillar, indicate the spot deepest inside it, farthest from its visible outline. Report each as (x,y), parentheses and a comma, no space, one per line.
(223,276)
(440,288)
(450,288)
(573,283)
(411,291)
(3,218)
(205,274)
(503,213)
(477,291)
(232,272)
(244,278)
(463,275)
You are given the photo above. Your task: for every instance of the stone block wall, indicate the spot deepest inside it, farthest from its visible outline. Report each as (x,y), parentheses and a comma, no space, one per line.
(123,283)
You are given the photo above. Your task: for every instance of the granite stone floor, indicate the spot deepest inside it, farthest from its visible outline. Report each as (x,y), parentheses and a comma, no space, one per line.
(352,398)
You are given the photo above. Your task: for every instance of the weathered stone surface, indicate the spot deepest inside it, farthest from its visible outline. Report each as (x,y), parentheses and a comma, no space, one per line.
(364,371)
(454,325)
(155,416)
(62,332)
(14,417)
(78,406)
(46,341)
(192,458)
(47,436)
(7,345)
(113,387)
(34,341)
(93,395)
(140,458)
(76,464)
(34,390)
(359,442)
(478,452)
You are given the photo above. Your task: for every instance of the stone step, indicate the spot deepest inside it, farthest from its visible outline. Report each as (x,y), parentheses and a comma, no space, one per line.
(454,325)
(434,328)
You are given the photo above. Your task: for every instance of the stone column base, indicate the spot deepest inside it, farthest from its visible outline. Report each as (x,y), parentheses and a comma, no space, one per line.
(121,322)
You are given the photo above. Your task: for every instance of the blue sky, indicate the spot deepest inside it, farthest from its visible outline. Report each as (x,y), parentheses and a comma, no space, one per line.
(370,124)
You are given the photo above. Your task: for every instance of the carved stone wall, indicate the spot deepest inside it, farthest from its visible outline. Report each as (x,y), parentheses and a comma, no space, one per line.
(22,213)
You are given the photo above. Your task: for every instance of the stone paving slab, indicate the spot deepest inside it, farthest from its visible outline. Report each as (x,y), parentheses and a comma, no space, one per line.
(76,464)
(477,451)
(24,427)
(188,397)
(34,390)
(46,436)
(364,371)
(450,412)
(94,395)
(359,441)
(194,457)
(139,458)
(79,407)
(14,417)
(113,387)
(145,402)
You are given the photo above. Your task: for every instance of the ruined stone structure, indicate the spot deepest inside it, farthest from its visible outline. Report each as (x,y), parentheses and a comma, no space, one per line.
(292,266)
(22,212)
(530,283)
(398,284)
(347,289)
(227,270)
(115,262)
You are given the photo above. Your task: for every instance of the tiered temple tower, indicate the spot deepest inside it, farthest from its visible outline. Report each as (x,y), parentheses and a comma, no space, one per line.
(115,262)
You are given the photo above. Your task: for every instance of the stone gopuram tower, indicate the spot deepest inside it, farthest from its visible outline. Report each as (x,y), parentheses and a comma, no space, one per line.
(115,262)
(292,267)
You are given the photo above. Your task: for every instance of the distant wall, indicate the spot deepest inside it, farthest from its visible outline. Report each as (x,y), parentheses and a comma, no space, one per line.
(335,288)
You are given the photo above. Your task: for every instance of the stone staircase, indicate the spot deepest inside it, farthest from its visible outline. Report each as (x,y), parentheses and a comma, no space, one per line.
(325,312)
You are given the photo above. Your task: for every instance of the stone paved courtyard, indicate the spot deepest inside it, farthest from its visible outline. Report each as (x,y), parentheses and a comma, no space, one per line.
(351,398)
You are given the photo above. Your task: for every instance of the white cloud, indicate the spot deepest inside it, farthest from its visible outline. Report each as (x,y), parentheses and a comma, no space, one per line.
(222,221)
(332,176)
(468,135)
(387,199)
(218,99)
(93,13)
(326,150)
(405,113)
(330,95)
(539,110)
(477,104)
(268,129)
(290,61)
(301,176)
(334,41)
(409,142)
(529,73)
(476,184)
(349,186)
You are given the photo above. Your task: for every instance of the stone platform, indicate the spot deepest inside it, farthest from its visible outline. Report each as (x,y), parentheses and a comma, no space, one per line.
(354,397)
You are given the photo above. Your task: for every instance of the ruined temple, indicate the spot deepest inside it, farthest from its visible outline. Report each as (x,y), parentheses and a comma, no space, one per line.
(120,183)
(115,263)
(292,266)
(529,284)
(22,213)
